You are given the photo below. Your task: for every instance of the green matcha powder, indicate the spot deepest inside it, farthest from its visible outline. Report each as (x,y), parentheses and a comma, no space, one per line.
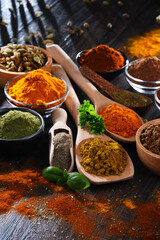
(17,124)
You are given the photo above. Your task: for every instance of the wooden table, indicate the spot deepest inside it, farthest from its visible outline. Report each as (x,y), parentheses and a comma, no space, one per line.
(106,205)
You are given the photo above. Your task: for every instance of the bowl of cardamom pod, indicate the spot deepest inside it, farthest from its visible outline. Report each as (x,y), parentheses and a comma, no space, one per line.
(17,59)
(20,130)
(148,145)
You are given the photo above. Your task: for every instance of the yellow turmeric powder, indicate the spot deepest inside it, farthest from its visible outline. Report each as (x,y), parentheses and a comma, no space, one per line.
(38,87)
(102,157)
(147,45)
(120,120)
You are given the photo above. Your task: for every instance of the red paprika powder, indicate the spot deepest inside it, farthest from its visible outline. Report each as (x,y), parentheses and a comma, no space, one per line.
(102,58)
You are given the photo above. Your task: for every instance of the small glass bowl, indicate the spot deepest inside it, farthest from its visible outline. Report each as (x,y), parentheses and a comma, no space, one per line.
(146,87)
(108,74)
(20,145)
(44,109)
(157,100)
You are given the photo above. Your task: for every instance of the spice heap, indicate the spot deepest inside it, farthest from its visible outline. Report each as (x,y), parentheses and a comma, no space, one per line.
(17,124)
(147,69)
(37,87)
(102,158)
(150,138)
(146,45)
(102,58)
(62,145)
(21,58)
(120,120)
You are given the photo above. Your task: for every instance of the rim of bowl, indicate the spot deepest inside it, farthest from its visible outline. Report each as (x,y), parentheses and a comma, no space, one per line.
(113,71)
(138,141)
(48,61)
(156,96)
(40,130)
(137,79)
(35,105)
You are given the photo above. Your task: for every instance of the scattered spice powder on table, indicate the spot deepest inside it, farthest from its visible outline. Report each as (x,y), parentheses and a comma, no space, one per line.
(19,193)
(146,45)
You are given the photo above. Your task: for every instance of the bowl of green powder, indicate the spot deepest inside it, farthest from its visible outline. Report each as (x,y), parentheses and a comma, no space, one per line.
(20,129)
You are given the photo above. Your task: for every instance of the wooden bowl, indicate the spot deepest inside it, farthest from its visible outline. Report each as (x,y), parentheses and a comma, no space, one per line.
(5,76)
(148,158)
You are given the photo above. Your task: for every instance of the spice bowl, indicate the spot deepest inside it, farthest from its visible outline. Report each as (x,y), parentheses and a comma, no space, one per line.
(140,85)
(16,145)
(44,110)
(157,98)
(107,74)
(148,157)
(6,75)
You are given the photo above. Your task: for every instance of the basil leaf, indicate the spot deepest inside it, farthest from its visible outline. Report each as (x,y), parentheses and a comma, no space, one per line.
(52,173)
(77,181)
(61,181)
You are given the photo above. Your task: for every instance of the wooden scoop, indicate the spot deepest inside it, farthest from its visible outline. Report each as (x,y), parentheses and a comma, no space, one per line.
(99,100)
(83,135)
(59,118)
(111,90)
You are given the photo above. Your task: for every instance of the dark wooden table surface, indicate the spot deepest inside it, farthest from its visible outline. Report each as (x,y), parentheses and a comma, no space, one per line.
(142,189)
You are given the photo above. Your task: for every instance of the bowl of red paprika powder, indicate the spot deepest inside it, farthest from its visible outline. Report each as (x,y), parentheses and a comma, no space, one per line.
(104,60)
(148,145)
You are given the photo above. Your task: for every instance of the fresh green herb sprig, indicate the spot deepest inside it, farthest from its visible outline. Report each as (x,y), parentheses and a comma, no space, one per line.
(87,114)
(74,180)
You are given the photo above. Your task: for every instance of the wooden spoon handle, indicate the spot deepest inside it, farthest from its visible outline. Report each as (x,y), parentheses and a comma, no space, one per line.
(70,67)
(59,115)
(72,101)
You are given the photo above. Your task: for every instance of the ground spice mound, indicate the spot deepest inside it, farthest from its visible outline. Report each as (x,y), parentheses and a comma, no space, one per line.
(150,138)
(147,69)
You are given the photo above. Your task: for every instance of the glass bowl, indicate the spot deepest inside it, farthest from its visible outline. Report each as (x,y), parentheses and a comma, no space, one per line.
(156,98)
(44,109)
(20,145)
(108,74)
(146,87)
(5,76)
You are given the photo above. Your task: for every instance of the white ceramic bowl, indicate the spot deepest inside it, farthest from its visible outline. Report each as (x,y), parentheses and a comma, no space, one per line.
(44,109)
(157,100)
(5,76)
(146,87)
(148,158)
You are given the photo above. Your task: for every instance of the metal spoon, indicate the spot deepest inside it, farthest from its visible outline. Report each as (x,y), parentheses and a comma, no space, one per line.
(59,118)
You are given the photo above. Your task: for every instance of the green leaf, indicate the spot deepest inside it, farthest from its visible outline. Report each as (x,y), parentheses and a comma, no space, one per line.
(52,173)
(77,181)
(87,114)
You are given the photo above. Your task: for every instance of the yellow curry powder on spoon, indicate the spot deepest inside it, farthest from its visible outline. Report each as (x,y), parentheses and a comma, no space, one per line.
(120,120)
(37,87)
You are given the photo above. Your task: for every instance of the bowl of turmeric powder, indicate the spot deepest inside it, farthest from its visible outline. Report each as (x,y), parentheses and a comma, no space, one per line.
(38,90)
(17,59)
(104,60)
(148,145)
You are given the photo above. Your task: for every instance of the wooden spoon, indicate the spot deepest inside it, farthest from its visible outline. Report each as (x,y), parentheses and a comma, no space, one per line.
(111,90)
(99,100)
(72,103)
(59,118)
